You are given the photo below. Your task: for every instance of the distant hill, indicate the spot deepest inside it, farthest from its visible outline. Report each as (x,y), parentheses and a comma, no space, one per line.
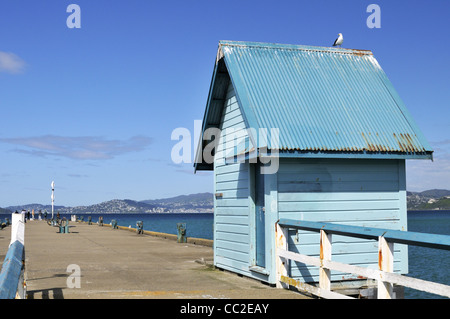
(36,207)
(204,203)
(194,203)
(432,199)
(433,193)
(112,206)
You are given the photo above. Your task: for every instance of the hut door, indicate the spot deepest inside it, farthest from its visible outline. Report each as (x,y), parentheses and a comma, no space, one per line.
(260,218)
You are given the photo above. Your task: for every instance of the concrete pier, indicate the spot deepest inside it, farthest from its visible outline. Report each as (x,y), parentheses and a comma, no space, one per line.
(115,263)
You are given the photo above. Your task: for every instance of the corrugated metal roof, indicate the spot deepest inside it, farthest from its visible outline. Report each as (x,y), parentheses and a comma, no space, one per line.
(322,99)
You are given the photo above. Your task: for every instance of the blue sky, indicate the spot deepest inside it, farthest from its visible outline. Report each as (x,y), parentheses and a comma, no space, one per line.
(93,108)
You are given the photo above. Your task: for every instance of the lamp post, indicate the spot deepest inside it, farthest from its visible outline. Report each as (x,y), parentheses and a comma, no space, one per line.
(53,195)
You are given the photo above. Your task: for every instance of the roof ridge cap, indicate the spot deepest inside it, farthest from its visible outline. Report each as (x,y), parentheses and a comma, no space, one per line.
(295,47)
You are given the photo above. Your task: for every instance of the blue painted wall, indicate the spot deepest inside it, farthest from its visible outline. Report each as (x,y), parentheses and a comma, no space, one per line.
(231,211)
(367,193)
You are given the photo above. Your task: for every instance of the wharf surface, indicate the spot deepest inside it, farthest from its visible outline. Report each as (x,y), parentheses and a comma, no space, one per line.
(116,263)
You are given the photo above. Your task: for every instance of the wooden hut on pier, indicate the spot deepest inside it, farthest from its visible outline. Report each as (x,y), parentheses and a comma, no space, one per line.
(309,133)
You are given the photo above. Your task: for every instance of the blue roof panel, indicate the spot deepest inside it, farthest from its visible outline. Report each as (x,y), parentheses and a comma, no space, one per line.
(321,99)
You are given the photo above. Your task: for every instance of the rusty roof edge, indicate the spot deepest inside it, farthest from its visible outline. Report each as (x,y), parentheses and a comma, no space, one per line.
(351,154)
(290,153)
(295,47)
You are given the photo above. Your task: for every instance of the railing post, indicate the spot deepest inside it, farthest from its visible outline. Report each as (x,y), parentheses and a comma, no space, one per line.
(325,254)
(386,264)
(282,264)
(17,228)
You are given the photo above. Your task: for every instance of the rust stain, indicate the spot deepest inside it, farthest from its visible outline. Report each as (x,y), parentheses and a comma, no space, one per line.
(279,240)
(405,143)
(410,142)
(290,281)
(361,52)
(380,259)
(374,142)
(370,147)
(321,250)
(279,236)
(398,142)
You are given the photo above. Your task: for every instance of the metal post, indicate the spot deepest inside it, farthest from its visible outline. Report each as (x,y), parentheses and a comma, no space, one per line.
(181,238)
(53,196)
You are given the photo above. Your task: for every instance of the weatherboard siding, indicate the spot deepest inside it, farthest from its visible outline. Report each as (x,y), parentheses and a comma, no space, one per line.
(350,192)
(231,210)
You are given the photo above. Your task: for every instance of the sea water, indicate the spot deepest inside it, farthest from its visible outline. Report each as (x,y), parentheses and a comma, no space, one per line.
(428,263)
(424,263)
(198,225)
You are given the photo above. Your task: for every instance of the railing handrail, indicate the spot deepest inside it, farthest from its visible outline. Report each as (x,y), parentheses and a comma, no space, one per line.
(393,236)
(384,275)
(12,283)
(11,270)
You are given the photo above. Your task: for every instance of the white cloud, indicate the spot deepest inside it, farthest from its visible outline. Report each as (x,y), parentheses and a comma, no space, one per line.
(425,174)
(11,63)
(81,148)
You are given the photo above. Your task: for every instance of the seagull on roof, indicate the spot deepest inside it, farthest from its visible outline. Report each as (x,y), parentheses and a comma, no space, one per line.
(339,40)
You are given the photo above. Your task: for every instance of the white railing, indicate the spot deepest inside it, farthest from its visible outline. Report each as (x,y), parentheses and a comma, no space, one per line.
(384,275)
(12,275)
